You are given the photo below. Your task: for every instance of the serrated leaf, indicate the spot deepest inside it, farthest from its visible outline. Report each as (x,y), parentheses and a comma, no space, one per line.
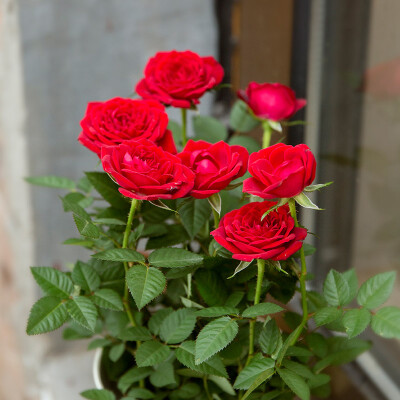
(174,258)
(234,299)
(53,282)
(297,351)
(52,181)
(75,332)
(299,369)
(386,322)
(188,391)
(83,311)
(151,353)
(303,200)
(269,337)
(134,333)
(250,372)
(271,395)
(46,315)
(190,303)
(96,343)
(177,326)
(258,381)
(215,336)
(376,290)
(86,277)
(295,383)
(139,393)
(107,189)
(86,228)
(286,345)
(120,255)
(157,318)
(164,375)
(213,312)
(240,118)
(326,315)
(211,287)
(223,384)
(109,221)
(261,309)
(145,284)
(317,344)
(132,376)
(79,242)
(116,351)
(318,380)
(336,289)
(194,214)
(209,129)
(213,366)
(355,321)
(98,394)
(351,277)
(108,298)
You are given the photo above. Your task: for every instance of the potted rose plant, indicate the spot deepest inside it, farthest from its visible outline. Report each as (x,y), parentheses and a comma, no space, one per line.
(197,251)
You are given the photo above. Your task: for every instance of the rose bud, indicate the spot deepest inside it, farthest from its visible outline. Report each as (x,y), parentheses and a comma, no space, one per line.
(247,236)
(214,165)
(271,101)
(179,78)
(114,121)
(280,171)
(146,172)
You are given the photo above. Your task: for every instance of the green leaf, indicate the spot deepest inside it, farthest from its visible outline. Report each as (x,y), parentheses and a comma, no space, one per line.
(188,391)
(79,242)
(241,119)
(234,299)
(269,337)
(96,343)
(386,322)
(211,287)
(223,384)
(242,265)
(46,315)
(303,200)
(83,311)
(213,366)
(120,255)
(376,290)
(57,182)
(157,318)
(145,284)
(175,234)
(107,189)
(53,282)
(176,130)
(286,345)
(194,214)
(351,278)
(355,321)
(295,383)
(259,380)
(116,351)
(164,375)
(174,258)
(336,289)
(215,336)
(98,394)
(326,315)
(86,277)
(250,372)
(134,333)
(246,141)
(296,351)
(132,376)
(108,298)
(298,369)
(261,309)
(271,395)
(209,129)
(151,353)
(318,380)
(75,332)
(312,188)
(109,221)
(177,326)
(139,393)
(86,228)
(317,344)
(213,312)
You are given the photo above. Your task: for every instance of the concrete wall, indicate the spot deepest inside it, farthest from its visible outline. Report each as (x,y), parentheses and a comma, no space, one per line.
(55,56)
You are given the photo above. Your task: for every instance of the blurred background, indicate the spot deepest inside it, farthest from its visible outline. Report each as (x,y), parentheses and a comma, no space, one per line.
(55,56)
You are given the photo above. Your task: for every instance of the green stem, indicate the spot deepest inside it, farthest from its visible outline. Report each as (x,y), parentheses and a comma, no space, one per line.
(266,135)
(205,383)
(260,276)
(302,277)
(184,137)
(216,218)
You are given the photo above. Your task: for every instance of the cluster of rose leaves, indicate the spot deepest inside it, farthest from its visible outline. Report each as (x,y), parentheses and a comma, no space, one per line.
(138,151)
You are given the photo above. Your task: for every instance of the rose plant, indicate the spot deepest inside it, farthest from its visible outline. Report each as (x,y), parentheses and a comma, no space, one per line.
(197,257)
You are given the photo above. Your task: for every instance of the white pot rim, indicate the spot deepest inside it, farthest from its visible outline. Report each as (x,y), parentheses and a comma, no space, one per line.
(96,370)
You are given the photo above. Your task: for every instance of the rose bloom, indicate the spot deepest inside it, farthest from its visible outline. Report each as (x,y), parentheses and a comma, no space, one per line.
(117,120)
(244,234)
(271,100)
(179,78)
(214,165)
(280,171)
(145,171)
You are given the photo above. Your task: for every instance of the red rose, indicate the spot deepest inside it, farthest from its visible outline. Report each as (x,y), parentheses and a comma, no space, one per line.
(271,100)
(280,171)
(244,234)
(145,171)
(214,165)
(179,78)
(117,120)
